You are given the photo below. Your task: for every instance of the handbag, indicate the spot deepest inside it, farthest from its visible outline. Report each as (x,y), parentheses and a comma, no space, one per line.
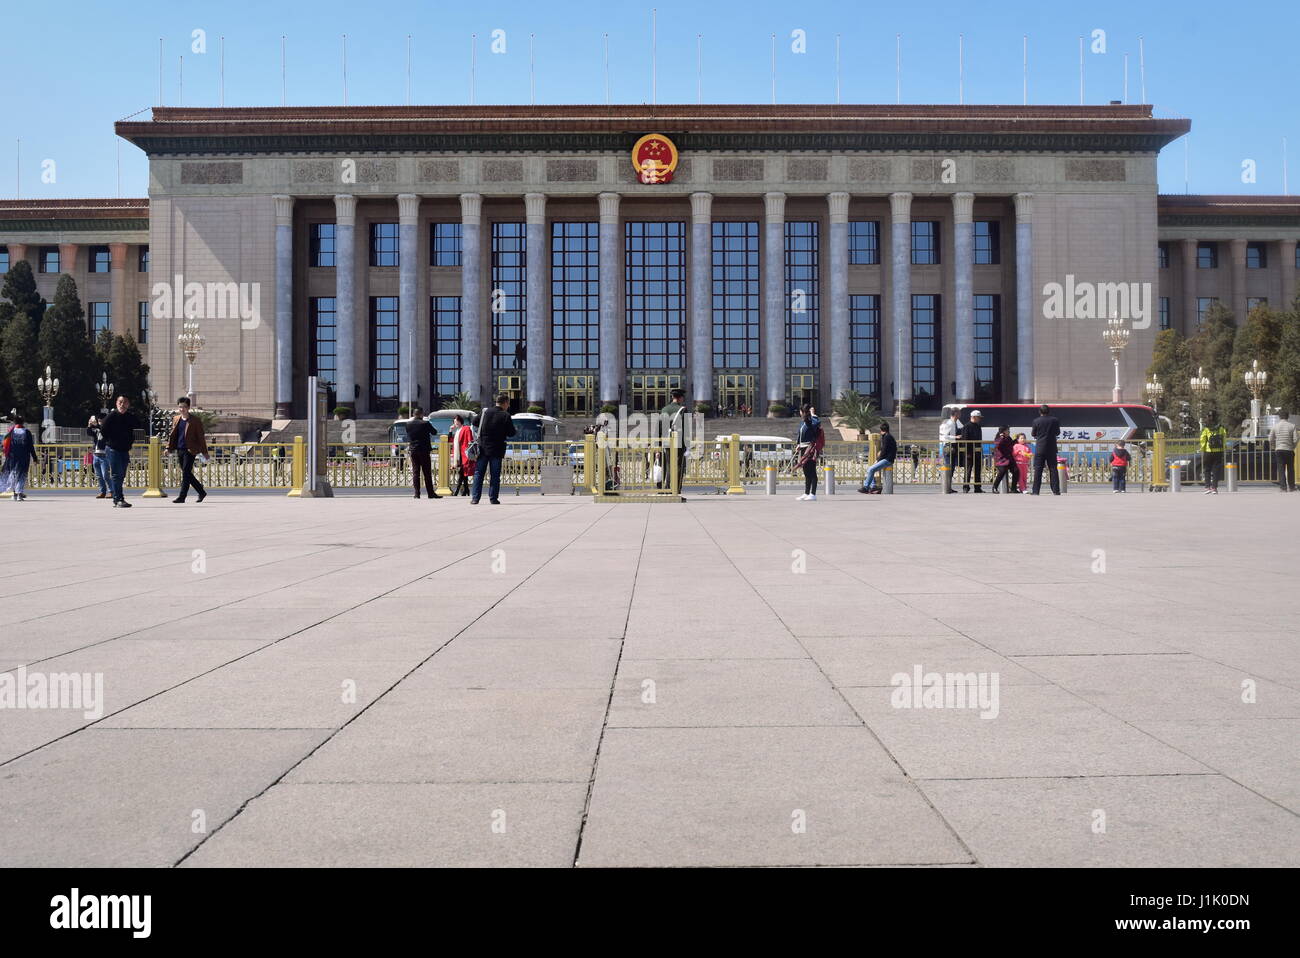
(473,450)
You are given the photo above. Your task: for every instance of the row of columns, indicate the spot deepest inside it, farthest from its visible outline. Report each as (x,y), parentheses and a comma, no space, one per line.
(117,260)
(896,334)
(1237,277)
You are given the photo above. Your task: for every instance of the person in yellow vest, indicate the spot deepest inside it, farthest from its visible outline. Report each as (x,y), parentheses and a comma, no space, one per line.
(1214,440)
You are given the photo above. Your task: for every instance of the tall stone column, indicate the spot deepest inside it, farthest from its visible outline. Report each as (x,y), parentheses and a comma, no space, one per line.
(68,262)
(1025,295)
(772,343)
(1189,286)
(1237,250)
(472,355)
(613,359)
(700,354)
(283,306)
(408,238)
(345,300)
(899,343)
(841,364)
(963,238)
(117,281)
(539,301)
(1286,263)
(17,251)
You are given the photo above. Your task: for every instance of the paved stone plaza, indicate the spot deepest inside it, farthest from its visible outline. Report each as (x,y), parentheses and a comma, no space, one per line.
(380,681)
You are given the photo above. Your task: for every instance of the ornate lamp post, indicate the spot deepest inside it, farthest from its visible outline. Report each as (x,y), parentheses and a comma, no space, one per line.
(1200,384)
(191,342)
(105,390)
(1256,380)
(1155,390)
(1115,336)
(49,388)
(148,397)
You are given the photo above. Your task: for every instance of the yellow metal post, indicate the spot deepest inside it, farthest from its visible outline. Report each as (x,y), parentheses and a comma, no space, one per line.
(873,448)
(444,466)
(673,485)
(153,471)
(589,462)
(599,489)
(1158,462)
(734,487)
(298,471)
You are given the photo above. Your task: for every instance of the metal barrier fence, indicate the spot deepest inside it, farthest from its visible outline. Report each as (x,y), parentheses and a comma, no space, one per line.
(724,463)
(641,470)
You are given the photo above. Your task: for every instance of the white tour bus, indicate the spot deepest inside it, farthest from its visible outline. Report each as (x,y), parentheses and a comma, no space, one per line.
(1092,422)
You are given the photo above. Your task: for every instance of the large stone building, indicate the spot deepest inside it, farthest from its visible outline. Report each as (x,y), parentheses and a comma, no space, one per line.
(579,255)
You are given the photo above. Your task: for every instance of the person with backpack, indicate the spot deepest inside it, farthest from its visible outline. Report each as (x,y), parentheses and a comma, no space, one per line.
(19,454)
(808,449)
(1214,439)
(888,453)
(1119,460)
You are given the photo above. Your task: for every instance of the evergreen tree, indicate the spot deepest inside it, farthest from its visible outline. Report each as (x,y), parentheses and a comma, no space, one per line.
(1259,338)
(1284,378)
(127,370)
(1210,350)
(18,356)
(1171,362)
(20,297)
(64,345)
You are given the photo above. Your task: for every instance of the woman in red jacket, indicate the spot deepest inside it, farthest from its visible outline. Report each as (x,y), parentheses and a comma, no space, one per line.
(461,436)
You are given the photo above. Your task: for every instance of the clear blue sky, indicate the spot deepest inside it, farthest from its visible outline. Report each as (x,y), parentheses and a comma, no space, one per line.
(77,66)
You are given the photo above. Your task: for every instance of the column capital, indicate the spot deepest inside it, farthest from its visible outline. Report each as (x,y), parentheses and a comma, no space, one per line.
(471,209)
(701,207)
(774,207)
(963,206)
(17,251)
(609,207)
(1238,250)
(345,209)
(408,208)
(1024,207)
(839,206)
(900,207)
(535,208)
(283,209)
(117,256)
(67,257)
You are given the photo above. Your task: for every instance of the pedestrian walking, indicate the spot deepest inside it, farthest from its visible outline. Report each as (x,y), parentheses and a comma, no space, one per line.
(190,444)
(1119,460)
(1282,438)
(494,430)
(1046,429)
(1004,458)
(674,423)
(98,455)
(1024,455)
(419,435)
(888,453)
(19,453)
(119,428)
(949,433)
(972,449)
(808,449)
(461,436)
(1214,439)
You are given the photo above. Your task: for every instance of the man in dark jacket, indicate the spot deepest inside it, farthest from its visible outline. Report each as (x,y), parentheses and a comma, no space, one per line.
(972,450)
(495,428)
(888,453)
(188,441)
(420,433)
(1046,428)
(675,419)
(119,428)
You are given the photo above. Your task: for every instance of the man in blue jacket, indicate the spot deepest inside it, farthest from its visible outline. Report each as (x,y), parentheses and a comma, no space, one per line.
(888,453)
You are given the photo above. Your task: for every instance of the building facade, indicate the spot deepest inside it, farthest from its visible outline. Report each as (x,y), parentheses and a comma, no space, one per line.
(786,253)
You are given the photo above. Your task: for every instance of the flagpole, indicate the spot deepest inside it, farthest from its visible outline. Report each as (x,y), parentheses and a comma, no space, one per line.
(837,68)
(961,68)
(774,68)
(1080,71)
(345,69)
(1142,68)
(473,62)
(1025,70)
(898,68)
(222,73)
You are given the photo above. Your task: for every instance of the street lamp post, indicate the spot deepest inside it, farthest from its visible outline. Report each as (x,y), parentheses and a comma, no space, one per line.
(1155,390)
(105,390)
(1256,380)
(48,386)
(148,397)
(1115,336)
(1200,384)
(191,342)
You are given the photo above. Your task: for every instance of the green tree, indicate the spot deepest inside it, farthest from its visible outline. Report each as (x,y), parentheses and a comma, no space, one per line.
(1210,350)
(19,365)
(856,411)
(1171,362)
(64,345)
(1257,339)
(1284,378)
(20,297)
(18,356)
(126,368)
(463,400)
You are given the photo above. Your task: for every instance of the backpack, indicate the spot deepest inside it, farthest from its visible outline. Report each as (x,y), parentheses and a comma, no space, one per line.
(473,450)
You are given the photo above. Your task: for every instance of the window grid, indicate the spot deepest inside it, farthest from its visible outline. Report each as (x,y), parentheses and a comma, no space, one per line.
(925,351)
(864,345)
(1165,319)
(444,315)
(100,316)
(1256,256)
(864,243)
(988,243)
(1203,304)
(142,323)
(4,259)
(988,355)
(1162,255)
(324,339)
(802,282)
(655,294)
(1207,256)
(575,295)
(383,352)
(444,244)
(735,294)
(925,243)
(49,260)
(142,259)
(322,244)
(509,296)
(385,245)
(99,261)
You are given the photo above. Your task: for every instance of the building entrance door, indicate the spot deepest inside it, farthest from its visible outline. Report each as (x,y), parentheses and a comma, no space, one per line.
(650,392)
(575,395)
(513,386)
(803,389)
(736,394)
